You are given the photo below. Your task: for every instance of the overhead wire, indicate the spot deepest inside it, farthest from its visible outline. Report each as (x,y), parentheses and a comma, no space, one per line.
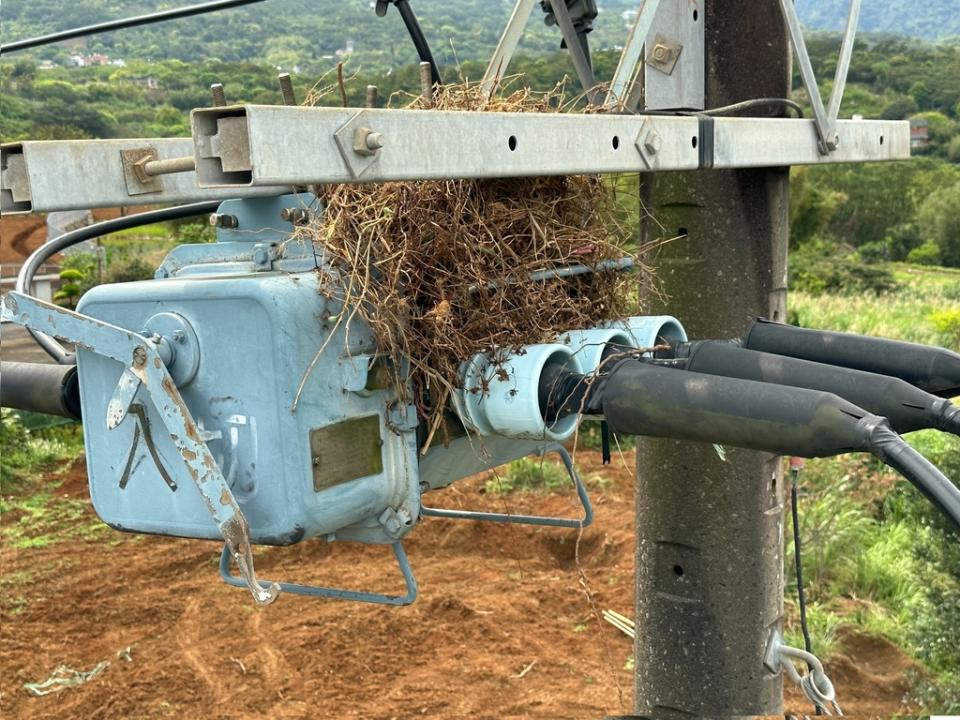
(110,25)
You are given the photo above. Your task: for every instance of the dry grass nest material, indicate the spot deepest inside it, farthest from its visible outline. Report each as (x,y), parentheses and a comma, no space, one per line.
(441,270)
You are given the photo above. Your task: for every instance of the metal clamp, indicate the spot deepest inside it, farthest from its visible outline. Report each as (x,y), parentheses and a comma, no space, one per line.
(146,366)
(585,521)
(815,684)
(335,593)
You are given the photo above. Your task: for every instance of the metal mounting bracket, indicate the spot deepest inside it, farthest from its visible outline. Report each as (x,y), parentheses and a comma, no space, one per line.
(584,498)
(825,120)
(336,593)
(145,367)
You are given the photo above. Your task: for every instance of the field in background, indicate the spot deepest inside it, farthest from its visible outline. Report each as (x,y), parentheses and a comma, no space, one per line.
(875,556)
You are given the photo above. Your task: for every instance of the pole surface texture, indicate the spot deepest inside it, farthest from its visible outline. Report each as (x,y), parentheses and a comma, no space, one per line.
(709,563)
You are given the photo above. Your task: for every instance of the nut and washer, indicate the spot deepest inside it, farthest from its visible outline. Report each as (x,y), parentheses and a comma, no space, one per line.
(366,141)
(225,221)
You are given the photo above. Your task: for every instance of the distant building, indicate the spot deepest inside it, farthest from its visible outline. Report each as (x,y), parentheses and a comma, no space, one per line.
(919,133)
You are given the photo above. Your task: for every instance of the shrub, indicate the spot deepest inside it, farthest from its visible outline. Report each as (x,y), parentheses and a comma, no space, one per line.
(22,449)
(818,268)
(129,270)
(926,254)
(947,323)
(530,474)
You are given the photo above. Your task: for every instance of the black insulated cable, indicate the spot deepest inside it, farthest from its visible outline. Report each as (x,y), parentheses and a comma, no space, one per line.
(935,370)
(111,25)
(25,277)
(40,387)
(906,406)
(637,398)
(415,32)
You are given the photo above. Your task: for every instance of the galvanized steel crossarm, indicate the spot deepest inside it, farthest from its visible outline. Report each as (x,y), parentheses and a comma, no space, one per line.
(49,175)
(255,145)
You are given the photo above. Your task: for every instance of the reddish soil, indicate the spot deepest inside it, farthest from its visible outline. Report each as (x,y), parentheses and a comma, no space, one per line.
(502,627)
(20,235)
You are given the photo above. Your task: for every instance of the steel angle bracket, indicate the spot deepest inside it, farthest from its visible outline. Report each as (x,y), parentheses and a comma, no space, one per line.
(330,593)
(145,366)
(548,521)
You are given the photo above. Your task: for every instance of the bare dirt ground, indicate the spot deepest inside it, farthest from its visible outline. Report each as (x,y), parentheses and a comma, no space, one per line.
(502,627)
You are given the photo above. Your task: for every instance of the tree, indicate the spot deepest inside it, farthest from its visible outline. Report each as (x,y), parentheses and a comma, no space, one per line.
(939,218)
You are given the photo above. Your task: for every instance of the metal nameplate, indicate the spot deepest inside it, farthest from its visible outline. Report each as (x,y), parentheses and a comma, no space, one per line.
(346,451)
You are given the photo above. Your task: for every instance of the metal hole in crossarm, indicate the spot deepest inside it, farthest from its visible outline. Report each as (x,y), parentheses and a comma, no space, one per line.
(678,570)
(696,15)
(881,139)
(694,141)
(512,143)
(616,142)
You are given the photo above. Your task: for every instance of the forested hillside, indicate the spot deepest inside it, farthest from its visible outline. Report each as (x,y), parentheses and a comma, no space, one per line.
(304,34)
(933,19)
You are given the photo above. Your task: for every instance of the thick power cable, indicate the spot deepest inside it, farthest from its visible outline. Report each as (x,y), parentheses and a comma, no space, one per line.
(110,25)
(25,278)
(638,398)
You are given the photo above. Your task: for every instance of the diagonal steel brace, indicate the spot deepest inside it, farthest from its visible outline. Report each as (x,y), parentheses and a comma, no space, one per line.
(824,119)
(146,365)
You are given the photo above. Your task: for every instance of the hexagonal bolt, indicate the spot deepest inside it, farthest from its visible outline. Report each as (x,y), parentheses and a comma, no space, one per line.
(366,141)
(652,142)
(223,220)
(297,216)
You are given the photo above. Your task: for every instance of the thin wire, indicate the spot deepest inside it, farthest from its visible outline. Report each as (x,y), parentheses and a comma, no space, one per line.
(801,598)
(110,25)
(755,103)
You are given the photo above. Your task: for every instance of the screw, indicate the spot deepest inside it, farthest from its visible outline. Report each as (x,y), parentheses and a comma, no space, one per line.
(286,89)
(371,96)
(661,52)
(179,336)
(219,97)
(223,220)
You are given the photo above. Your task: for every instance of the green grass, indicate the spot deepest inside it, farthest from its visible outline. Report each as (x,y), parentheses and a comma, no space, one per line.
(530,475)
(876,556)
(907,314)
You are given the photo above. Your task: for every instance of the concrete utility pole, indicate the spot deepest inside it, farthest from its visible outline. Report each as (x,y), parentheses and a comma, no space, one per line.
(709,585)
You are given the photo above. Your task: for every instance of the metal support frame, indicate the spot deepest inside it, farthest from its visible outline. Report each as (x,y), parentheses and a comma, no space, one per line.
(255,145)
(337,593)
(582,495)
(824,119)
(48,175)
(509,40)
(581,62)
(632,54)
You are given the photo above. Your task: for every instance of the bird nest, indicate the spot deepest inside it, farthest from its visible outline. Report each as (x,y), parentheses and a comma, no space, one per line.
(443,270)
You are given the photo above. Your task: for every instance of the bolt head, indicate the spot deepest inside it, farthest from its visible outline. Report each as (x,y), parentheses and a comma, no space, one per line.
(660,53)
(179,336)
(653,142)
